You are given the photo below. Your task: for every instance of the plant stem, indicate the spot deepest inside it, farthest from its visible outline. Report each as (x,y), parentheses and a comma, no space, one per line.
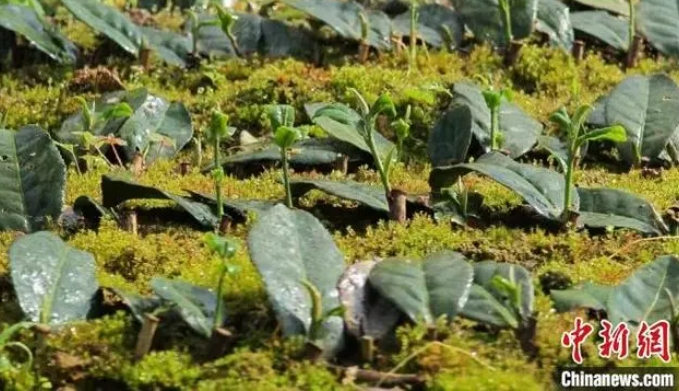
(103,156)
(218,181)
(118,159)
(507,17)
(572,158)
(494,128)
(219,309)
(413,36)
(378,161)
(286,177)
(632,24)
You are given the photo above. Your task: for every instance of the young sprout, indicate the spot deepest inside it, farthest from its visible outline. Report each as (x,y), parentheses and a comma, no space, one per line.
(402,129)
(218,130)
(573,129)
(224,248)
(364,47)
(318,317)
(226,22)
(285,135)
(494,100)
(5,343)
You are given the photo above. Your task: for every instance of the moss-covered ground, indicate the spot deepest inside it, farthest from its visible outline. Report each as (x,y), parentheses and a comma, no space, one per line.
(99,353)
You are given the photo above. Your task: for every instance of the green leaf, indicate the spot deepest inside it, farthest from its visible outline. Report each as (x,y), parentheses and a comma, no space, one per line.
(438,285)
(602,26)
(646,107)
(54,283)
(32,179)
(365,194)
(614,133)
(115,191)
(196,305)
(287,247)
(24,21)
(540,187)
(643,295)
(431,21)
(383,105)
(602,208)
(285,136)
(619,7)
(484,20)
(107,20)
(520,131)
(342,123)
(235,209)
(139,305)
(308,154)
(557,148)
(343,17)
(553,19)
(489,305)
(281,115)
(365,311)
(587,296)
(172,48)
(658,21)
(450,139)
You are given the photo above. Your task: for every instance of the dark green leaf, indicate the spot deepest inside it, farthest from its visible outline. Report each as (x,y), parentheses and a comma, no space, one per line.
(602,26)
(439,285)
(540,187)
(554,20)
(646,107)
(54,283)
(432,20)
(171,47)
(291,246)
(32,179)
(139,305)
(234,208)
(519,130)
(196,305)
(115,191)
(488,304)
(658,21)
(24,21)
(368,195)
(643,296)
(587,296)
(619,7)
(449,140)
(615,208)
(484,19)
(107,20)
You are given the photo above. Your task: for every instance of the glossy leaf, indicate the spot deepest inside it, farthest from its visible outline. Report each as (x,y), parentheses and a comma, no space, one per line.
(484,20)
(540,187)
(115,191)
(587,296)
(24,21)
(619,7)
(602,26)
(54,282)
(291,246)
(32,179)
(658,21)
(489,305)
(341,122)
(107,20)
(647,294)
(519,131)
(449,140)
(646,107)
(615,208)
(438,285)
(139,305)
(553,19)
(172,48)
(431,22)
(196,305)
